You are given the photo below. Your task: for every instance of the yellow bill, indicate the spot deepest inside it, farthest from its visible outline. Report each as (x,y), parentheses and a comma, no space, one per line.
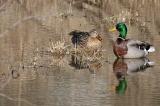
(112,29)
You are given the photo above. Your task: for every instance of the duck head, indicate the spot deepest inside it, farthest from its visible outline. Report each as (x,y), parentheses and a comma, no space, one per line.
(121,28)
(93,33)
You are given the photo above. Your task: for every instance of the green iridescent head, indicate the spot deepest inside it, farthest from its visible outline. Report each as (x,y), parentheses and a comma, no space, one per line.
(122,28)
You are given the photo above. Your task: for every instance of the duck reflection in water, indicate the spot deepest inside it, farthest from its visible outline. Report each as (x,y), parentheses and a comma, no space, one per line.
(123,67)
(80,62)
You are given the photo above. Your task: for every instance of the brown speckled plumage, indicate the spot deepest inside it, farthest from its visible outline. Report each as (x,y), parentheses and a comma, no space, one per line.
(86,39)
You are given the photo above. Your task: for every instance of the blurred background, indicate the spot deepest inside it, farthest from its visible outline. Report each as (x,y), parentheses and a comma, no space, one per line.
(33,74)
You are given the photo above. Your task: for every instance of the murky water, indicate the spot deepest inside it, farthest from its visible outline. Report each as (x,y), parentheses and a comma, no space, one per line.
(31,75)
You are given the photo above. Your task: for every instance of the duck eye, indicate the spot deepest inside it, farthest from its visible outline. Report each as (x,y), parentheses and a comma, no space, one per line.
(120,29)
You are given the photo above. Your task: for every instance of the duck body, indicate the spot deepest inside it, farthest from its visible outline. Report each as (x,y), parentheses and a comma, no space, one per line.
(128,48)
(79,38)
(86,39)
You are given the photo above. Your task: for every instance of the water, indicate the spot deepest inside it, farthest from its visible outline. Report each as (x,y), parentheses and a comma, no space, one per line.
(31,76)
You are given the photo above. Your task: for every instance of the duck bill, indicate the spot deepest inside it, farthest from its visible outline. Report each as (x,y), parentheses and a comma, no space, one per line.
(112,29)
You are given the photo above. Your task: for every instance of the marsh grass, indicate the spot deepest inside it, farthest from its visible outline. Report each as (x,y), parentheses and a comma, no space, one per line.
(60,53)
(126,16)
(81,62)
(58,48)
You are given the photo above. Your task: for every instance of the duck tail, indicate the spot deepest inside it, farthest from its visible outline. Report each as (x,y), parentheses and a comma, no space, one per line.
(151,49)
(72,33)
(151,63)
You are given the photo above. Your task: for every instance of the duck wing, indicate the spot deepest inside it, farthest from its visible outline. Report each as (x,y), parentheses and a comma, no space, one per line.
(79,37)
(141,45)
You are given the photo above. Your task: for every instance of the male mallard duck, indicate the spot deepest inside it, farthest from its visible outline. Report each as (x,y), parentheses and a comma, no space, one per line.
(86,39)
(128,48)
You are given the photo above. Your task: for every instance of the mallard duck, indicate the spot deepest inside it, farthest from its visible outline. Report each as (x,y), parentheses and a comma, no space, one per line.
(90,39)
(128,48)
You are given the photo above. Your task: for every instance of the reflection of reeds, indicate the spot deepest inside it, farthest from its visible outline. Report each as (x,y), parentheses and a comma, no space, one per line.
(59,62)
(88,53)
(81,62)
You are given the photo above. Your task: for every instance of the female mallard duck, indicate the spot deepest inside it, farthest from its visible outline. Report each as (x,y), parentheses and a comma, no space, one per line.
(127,48)
(86,39)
